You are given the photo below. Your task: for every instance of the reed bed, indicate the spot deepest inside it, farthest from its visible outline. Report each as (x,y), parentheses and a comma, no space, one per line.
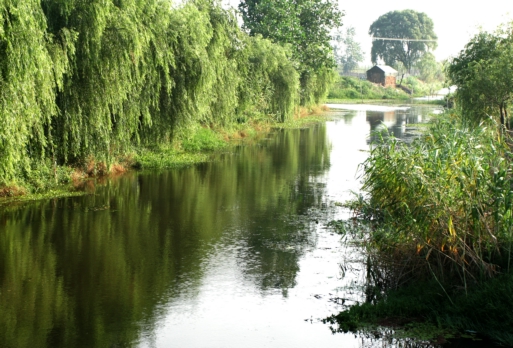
(440,207)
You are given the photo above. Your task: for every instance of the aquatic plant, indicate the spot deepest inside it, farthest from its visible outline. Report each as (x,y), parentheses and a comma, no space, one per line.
(435,222)
(422,311)
(442,206)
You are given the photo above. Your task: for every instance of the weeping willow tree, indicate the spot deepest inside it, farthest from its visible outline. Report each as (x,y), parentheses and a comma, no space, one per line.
(117,72)
(27,85)
(87,80)
(271,84)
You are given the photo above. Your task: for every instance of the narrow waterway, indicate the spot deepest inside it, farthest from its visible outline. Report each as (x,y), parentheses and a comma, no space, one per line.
(231,253)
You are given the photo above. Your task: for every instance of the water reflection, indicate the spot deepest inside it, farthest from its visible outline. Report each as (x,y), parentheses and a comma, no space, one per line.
(398,121)
(104,269)
(229,253)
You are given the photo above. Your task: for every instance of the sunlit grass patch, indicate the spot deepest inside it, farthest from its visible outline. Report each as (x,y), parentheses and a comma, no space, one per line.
(202,139)
(164,158)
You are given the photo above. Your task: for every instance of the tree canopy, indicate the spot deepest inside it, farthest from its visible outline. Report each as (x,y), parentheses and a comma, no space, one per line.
(395,34)
(302,25)
(88,81)
(482,72)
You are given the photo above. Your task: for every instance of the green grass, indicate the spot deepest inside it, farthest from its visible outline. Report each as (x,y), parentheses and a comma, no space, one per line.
(192,147)
(167,158)
(352,88)
(424,311)
(419,87)
(202,139)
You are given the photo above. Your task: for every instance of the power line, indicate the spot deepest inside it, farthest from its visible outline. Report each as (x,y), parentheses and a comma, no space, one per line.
(396,39)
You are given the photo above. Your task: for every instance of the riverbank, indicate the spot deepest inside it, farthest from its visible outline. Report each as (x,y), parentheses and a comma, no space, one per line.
(411,101)
(427,312)
(435,223)
(352,88)
(193,146)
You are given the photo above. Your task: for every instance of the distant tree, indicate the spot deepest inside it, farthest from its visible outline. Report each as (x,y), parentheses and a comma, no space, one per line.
(348,52)
(429,69)
(402,29)
(303,25)
(482,72)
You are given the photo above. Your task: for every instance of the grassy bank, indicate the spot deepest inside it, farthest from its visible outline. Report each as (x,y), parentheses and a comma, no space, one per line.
(193,145)
(346,87)
(86,86)
(436,223)
(426,312)
(352,88)
(387,101)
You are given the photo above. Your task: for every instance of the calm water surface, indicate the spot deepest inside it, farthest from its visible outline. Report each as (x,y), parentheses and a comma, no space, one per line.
(231,253)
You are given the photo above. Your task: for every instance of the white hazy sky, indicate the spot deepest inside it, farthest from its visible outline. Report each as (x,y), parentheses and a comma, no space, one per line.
(455,21)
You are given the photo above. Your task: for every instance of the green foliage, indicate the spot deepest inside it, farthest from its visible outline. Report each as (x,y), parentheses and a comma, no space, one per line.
(270,82)
(485,308)
(402,25)
(92,79)
(119,68)
(442,206)
(353,88)
(305,27)
(420,88)
(315,86)
(482,73)
(27,85)
(428,69)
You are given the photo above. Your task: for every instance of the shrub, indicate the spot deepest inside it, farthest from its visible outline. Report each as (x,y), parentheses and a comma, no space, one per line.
(441,206)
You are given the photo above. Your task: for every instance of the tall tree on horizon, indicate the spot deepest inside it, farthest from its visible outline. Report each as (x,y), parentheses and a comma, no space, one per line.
(402,36)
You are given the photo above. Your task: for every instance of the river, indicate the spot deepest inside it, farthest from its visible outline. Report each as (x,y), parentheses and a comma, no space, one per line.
(235,252)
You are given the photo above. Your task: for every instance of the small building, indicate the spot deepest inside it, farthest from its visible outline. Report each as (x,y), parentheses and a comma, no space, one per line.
(382,74)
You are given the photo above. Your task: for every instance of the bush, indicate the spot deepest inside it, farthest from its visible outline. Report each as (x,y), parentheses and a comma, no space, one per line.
(441,206)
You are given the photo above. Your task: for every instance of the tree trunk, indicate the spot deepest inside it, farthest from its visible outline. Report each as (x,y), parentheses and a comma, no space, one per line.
(506,116)
(401,82)
(501,108)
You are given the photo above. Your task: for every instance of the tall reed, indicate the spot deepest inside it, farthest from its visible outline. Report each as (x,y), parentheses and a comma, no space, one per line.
(441,206)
